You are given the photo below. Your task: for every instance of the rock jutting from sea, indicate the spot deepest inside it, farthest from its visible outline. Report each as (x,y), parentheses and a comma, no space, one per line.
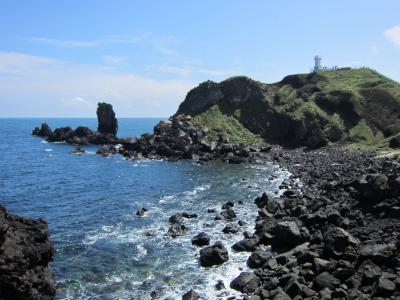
(25,253)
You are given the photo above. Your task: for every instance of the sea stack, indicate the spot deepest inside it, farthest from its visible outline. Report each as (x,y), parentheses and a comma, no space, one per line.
(108,124)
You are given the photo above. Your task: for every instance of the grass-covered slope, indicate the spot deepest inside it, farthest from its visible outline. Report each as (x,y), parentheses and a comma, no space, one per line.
(358,107)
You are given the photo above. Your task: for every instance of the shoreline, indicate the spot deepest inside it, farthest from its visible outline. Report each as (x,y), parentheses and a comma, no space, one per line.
(339,237)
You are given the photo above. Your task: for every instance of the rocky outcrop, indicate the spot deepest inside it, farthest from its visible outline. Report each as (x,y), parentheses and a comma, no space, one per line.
(107,123)
(25,253)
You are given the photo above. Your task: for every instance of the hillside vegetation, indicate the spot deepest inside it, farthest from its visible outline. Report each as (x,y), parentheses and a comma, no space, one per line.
(357,107)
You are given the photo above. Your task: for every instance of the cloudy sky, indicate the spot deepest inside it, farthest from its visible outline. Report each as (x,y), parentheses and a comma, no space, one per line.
(59,58)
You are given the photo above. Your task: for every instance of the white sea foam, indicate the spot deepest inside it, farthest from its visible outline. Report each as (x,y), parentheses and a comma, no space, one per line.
(48,150)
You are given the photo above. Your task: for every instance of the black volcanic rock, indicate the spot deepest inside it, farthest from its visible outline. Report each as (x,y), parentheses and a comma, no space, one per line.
(107,123)
(43,131)
(213,255)
(25,253)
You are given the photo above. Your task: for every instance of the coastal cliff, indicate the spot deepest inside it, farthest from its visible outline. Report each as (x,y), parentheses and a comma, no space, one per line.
(25,253)
(359,107)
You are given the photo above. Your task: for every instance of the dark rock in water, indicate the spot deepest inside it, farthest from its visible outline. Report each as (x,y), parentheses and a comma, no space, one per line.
(191,295)
(43,131)
(106,150)
(26,251)
(220,285)
(107,123)
(213,255)
(141,212)
(158,293)
(248,244)
(230,228)
(228,214)
(201,239)
(189,215)
(176,219)
(78,151)
(176,230)
(246,282)
(228,205)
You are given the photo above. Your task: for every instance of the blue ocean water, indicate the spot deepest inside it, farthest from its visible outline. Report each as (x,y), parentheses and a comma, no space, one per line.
(103,250)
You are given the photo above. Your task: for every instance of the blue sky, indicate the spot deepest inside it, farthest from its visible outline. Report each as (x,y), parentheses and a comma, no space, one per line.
(59,58)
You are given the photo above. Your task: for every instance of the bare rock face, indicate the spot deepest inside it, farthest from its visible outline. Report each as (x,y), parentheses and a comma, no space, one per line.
(108,124)
(25,253)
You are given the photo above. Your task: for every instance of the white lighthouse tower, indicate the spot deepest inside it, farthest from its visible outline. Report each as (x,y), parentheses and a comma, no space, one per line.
(317,66)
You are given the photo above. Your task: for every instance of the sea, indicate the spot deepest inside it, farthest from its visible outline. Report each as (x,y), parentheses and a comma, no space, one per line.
(103,250)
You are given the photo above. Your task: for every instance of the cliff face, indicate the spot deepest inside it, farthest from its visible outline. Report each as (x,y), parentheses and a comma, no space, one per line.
(355,106)
(25,253)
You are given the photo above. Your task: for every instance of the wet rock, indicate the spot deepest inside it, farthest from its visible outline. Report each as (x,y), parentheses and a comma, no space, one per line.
(220,285)
(191,295)
(248,244)
(106,150)
(372,187)
(176,219)
(228,205)
(176,230)
(246,282)
(201,239)
(141,212)
(26,251)
(213,255)
(230,228)
(158,293)
(78,151)
(228,214)
(43,131)
(107,123)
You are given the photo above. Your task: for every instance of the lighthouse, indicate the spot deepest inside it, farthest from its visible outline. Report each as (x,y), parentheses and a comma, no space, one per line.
(317,66)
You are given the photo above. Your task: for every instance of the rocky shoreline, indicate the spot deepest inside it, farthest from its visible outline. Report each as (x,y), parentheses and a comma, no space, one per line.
(336,236)
(25,253)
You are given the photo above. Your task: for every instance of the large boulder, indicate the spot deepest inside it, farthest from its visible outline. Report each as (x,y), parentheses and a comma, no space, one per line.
(25,253)
(287,235)
(107,123)
(213,255)
(336,241)
(246,282)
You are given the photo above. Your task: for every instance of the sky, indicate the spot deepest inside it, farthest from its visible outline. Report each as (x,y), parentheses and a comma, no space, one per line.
(59,58)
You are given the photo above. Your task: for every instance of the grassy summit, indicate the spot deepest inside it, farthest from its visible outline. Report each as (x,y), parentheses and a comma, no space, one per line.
(358,107)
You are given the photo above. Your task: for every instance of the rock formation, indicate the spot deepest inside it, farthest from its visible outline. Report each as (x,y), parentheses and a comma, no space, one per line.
(25,253)
(107,123)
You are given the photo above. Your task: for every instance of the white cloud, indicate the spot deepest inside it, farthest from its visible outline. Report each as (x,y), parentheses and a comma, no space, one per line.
(113,59)
(393,34)
(187,71)
(40,86)
(91,42)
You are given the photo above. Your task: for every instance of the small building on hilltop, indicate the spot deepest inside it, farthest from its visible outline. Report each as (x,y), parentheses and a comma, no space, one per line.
(318,66)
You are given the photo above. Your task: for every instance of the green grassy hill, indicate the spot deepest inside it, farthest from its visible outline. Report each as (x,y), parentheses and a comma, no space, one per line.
(357,107)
